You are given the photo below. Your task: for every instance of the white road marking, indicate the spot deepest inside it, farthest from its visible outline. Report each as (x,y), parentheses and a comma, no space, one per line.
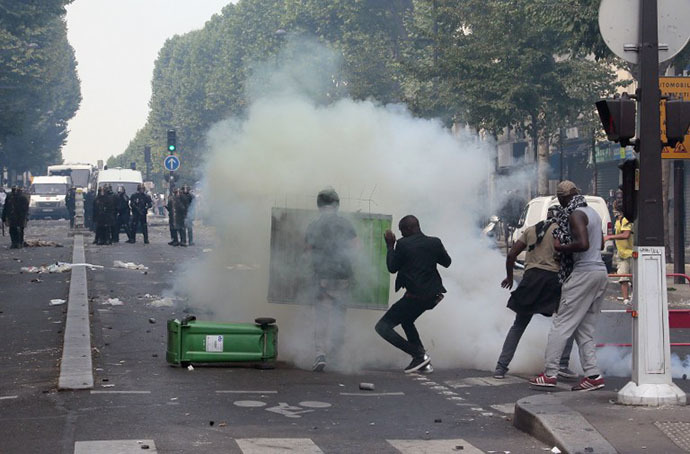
(433,446)
(277,445)
(314,404)
(373,394)
(114,447)
(119,392)
(232,391)
(504,408)
(8,397)
(484,381)
(249,403)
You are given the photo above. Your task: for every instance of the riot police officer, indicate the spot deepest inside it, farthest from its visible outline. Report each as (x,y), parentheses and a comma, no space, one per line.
(188,198)
(15,214)
(140,202)
(100,217)
(122,212)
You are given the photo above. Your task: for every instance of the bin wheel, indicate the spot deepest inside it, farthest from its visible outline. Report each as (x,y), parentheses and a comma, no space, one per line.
(264,321)
(185,364)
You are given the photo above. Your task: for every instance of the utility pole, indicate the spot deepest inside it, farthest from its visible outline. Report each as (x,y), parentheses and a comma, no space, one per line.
(651,378)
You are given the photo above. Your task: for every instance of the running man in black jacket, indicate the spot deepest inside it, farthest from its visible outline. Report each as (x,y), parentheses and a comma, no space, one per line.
(414,259)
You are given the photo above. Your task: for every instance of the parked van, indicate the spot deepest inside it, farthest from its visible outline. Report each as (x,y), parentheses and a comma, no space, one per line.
(80,173)
(117,176)
(47,197)
(537,209)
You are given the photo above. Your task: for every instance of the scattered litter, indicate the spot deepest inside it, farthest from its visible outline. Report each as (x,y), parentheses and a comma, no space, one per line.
(173,398)
(113,302)
(222,424)
(36,280)
(242,267)
(144,446)
(152,320)
(41,243)
(163,302)
(459,447)
(206,250)
(211,423)
(57,267)
(190,367)
(129,265)
(437,420)
(366,386)
(555,450)
(108,386)
(57,302)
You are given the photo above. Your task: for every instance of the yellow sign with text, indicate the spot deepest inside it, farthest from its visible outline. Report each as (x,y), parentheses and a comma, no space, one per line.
(678,87)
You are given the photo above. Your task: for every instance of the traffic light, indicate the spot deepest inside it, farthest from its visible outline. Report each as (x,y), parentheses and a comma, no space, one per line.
(618,118)
(630,187)
(147,154)
(172,141)
(677,121)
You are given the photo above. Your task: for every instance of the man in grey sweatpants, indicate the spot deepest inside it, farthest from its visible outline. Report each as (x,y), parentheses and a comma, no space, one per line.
(582,293)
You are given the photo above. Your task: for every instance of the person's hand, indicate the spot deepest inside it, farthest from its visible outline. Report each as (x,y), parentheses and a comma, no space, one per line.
(390,238)
(507,283)
(556,244)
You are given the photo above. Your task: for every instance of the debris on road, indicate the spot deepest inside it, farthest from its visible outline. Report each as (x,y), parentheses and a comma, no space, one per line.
(366,386)
(190,367)
(129,265)
(41,243)
(57,302)
(57,267)
(113,302)
(555,450)
(152,320)
(163,302)
(36,280)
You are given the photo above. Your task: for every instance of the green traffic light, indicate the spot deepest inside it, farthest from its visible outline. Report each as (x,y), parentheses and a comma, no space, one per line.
(171,147)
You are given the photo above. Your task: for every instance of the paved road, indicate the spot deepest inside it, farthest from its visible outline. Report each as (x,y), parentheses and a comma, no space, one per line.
(139,398)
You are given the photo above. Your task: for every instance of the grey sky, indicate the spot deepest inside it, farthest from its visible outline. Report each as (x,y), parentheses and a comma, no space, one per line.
(116,43)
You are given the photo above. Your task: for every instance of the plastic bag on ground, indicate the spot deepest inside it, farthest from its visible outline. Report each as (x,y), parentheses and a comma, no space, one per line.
(129,265)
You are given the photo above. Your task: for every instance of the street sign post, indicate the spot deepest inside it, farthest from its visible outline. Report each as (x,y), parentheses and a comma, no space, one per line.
(631,30)
(171,163)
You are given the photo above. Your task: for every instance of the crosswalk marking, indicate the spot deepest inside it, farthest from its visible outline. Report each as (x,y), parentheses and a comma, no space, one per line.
(433,446)
(484,381)
(277,445)
(114,447)
(504,408)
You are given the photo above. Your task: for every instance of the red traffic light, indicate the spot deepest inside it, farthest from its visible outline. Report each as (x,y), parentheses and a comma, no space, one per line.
(618,118)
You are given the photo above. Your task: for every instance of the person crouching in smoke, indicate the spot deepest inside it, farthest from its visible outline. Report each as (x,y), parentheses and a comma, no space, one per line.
(414,259)
(331,241)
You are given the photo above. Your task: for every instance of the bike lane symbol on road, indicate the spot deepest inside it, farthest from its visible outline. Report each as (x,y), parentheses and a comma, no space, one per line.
(283,408)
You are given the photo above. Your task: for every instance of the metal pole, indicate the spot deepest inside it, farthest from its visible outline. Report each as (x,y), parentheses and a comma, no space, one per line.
(651,382)
(679,219)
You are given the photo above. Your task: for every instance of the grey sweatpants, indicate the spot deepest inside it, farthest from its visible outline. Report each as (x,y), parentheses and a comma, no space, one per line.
(582,295)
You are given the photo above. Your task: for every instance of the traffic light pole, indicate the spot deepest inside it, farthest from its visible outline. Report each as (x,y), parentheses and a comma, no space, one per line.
(651,383)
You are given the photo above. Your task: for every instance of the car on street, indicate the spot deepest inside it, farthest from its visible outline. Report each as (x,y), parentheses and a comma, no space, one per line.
(537,208)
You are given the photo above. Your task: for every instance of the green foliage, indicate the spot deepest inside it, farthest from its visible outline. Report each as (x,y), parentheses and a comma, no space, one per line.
(39,88)
(533,65)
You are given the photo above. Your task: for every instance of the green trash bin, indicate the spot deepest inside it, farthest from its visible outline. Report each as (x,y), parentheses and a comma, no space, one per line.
(193,341)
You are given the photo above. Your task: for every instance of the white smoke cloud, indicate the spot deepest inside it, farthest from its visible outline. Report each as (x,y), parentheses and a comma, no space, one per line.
(287,148)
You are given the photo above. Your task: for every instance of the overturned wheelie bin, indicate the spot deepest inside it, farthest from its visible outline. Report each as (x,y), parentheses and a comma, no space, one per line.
(192,341)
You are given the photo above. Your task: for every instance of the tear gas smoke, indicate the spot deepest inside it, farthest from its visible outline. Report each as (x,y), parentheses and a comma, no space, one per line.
(617,362)
(380,159)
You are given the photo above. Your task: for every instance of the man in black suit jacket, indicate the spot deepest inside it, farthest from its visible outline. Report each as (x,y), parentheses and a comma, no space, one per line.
(414,259)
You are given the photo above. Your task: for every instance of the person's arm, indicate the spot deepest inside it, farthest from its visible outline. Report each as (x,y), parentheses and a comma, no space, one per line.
(517,248)
(443,259)
(392,259)
(624,235)
(578,228)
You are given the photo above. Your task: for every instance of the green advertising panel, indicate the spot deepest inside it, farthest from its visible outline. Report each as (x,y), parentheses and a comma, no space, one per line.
(291,280)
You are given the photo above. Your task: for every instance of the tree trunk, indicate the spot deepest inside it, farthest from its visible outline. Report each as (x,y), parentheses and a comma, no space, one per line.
(543,166)
(665,184)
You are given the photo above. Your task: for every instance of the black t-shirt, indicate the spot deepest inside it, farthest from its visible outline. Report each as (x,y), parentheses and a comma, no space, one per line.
(330,239)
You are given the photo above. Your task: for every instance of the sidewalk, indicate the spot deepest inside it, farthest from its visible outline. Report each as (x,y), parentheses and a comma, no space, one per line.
(592,422)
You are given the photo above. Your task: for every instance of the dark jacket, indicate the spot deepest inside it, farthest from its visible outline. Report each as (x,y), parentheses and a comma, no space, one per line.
(122,207)
(140,203)
(414,258)
(16,209)
(180,206)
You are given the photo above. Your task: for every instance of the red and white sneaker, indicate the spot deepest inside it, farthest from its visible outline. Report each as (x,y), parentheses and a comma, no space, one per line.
(544,381)
(589,384)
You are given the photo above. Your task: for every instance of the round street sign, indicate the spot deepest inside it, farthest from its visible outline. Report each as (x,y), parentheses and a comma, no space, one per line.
(172,163)
(619,23)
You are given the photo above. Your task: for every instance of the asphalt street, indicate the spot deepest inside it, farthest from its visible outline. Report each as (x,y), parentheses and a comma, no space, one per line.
(142,400)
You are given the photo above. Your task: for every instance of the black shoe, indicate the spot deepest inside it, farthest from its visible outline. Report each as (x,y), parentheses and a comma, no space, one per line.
(417,363)
(499,374)
(173,243)
(319,364)
(146,241)
(131,241)
(191,243)
(428,369)
(183,244)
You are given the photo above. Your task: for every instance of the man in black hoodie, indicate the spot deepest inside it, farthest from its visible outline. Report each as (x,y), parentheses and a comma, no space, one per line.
(414,259)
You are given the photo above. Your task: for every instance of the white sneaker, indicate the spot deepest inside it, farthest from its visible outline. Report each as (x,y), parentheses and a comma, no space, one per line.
(627,302)
(619,298)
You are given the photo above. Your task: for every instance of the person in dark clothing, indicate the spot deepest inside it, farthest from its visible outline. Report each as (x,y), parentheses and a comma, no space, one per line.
(100,217)
(180,207)
(88,209)
(15,214)
(110,214)
(122,213)
(140,202)
(414,259)
(189,218)
(331,241)
(171,216)
(70,203)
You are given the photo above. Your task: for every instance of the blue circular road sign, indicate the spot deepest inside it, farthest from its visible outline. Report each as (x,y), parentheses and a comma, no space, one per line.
(172,163)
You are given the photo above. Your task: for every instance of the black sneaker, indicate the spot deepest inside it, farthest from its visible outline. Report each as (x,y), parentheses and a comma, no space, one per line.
(417,363)
(319,364)
(499,374)
(428,369)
